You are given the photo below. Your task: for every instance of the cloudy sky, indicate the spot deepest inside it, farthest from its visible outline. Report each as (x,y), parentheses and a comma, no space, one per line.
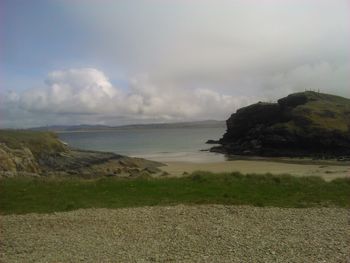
(141,61)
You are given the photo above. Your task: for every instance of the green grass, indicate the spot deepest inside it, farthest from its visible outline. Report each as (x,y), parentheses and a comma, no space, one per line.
(43,195)
(38,142)
(321,111)
(320,104)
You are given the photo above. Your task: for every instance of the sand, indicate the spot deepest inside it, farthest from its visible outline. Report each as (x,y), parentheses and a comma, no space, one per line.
(327,170)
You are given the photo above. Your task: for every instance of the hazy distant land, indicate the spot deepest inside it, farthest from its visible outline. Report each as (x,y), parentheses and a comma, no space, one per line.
(87,127)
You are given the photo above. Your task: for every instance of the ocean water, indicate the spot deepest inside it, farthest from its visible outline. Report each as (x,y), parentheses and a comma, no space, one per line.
(166,144)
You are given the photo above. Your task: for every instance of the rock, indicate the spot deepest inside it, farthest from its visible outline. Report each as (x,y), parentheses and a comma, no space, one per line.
(212,142)
(6,174)
(7,162)
(117,171)
(164,174)
(134,172)
(151,170)
(14,160)
(127,162)
(301,124)
(344,158)
(24,153)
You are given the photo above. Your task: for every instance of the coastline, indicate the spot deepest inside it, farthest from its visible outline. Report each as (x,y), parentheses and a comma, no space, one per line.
(328,170)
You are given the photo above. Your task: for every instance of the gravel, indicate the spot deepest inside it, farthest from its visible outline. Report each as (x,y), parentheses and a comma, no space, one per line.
(205,233)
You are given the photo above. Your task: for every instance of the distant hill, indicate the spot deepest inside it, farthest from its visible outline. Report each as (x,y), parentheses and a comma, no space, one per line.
(86,127)
(301,124)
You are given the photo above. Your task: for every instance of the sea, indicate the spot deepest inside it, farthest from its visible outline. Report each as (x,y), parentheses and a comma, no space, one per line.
(158,144)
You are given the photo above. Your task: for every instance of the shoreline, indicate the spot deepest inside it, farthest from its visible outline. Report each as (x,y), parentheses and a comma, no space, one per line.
(204,156)
(290,160)
(328,170)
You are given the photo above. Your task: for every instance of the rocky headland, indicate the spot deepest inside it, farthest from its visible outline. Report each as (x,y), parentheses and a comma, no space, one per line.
(33,153)
(306,124)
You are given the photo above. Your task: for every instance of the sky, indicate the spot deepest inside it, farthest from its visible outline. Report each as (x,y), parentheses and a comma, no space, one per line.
(67,62)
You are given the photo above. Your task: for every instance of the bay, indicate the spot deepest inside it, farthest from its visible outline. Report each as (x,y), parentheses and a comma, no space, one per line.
(160,144)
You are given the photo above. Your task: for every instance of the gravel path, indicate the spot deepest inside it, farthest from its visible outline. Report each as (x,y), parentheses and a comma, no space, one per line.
(207,233)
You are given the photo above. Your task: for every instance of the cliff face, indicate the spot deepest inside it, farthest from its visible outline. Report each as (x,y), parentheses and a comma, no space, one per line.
(301,124)
(17,160)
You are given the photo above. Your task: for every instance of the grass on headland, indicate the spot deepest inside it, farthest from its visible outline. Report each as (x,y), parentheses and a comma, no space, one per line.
(37,141)
(43,195)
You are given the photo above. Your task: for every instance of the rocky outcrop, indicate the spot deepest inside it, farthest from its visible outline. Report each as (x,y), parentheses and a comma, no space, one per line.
(91,164)
(13,161)
(42,154)
(301,124)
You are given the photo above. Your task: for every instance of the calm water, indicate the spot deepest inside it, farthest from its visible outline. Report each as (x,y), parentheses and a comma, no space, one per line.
(180,144)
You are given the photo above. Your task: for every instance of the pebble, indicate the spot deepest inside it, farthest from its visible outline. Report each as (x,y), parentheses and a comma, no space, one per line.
(204,233)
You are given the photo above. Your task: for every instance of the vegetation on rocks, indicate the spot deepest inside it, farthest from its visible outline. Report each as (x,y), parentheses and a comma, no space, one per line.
(34,153)
(39,143)
(301,124)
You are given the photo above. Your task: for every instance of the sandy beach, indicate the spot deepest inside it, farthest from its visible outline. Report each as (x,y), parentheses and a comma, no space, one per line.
(328,170)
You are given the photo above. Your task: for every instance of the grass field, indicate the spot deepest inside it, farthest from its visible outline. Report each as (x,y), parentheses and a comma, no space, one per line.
(43,195)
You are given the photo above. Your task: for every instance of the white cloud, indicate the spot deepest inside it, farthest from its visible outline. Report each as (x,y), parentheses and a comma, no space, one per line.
(87,94)
(216,44)
(72,91)
(203,59)
(323,77)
